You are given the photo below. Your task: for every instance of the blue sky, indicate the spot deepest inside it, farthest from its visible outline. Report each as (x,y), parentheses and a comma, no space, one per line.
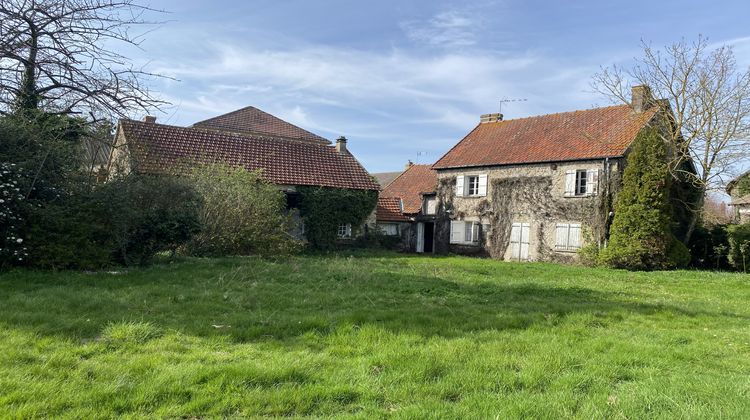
(407,80)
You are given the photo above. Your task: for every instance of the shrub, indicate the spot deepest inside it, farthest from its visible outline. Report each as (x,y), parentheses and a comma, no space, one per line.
(148,215)
(641,237)
(709,247)
(323,209)
(739,246)
(589,255)
(242,214)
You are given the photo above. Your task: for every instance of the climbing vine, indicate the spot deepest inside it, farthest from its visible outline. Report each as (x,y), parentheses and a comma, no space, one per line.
(323,209)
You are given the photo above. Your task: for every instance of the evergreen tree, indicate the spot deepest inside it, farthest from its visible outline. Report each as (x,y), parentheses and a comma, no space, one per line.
(641,236)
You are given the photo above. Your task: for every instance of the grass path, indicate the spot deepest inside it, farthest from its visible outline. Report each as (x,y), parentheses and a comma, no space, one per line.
(374,335)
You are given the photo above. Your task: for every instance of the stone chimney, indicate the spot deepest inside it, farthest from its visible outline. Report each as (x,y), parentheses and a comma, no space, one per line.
(149,119)
(341,144)
(490,118)
(642,99)
(408,165)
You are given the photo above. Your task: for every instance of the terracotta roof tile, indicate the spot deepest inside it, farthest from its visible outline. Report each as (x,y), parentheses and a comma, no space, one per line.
(410,185)
(389,210)
(589,134)
(251,120)
(159,148)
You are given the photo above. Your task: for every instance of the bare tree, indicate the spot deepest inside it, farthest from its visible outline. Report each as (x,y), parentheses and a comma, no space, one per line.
(59,55)
(709,120)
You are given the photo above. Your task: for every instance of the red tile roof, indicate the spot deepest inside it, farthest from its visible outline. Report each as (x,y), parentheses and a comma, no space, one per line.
(251,120)
(410,185)
(389,210)
(589,134)
(158,148)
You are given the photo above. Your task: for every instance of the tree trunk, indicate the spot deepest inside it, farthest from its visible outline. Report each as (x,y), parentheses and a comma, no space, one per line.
(696,214)
(27,98)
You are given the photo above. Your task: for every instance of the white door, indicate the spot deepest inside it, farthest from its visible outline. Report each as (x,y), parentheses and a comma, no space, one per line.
(420,237)
(519,241)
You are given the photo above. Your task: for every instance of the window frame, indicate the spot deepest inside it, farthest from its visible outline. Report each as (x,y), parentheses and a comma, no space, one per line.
(347,229)
(471,233)
(582,176)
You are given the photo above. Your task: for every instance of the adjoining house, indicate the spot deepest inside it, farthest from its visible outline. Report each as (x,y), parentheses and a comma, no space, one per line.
(739,190)
(407,208)
(538,188)
(250,138)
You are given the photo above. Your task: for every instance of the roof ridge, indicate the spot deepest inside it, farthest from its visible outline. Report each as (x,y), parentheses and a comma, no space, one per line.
(558,113)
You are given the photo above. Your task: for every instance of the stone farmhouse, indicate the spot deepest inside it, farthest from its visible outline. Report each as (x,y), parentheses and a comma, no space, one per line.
(739,190)
(250,138)
(537,188)
(407,207)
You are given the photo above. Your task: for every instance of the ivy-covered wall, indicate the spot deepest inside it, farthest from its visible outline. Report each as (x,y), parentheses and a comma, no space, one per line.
(531,194)
(323,209)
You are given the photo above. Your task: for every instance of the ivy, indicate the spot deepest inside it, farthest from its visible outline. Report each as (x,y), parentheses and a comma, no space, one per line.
(323,209)
(743,185)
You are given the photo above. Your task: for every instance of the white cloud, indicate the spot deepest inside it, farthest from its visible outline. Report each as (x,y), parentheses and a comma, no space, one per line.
(446,29)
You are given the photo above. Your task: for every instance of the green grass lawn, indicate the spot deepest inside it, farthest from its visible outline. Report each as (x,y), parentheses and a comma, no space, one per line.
(374,335)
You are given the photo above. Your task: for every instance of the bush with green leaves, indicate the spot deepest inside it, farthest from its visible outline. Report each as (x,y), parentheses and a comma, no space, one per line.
(242,214)
(641,237)
(709,246)
(148,215)
(739,246)
(324,209)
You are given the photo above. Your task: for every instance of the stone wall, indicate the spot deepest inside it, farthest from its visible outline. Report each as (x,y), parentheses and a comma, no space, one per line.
(533,194)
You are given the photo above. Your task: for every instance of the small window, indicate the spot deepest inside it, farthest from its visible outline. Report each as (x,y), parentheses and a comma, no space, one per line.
(345,230)
(568,237)
(581,178)
(473,185)
(390,229)
(464,232)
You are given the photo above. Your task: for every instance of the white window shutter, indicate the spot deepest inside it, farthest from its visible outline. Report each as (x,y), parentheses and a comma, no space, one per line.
(457,232)
(482,185)
(460,186)
(475,232)
(592,181)
(574,239)
(561,235)
(570,183)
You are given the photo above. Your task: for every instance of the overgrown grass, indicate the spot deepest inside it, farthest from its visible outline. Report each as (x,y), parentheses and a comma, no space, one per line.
(374,335)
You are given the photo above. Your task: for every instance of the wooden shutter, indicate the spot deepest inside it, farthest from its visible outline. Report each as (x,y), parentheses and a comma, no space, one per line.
(457,232)
(482,186)
(570,183)
(460,186)
(574,238)
(561,235)
(475,232)
(592,181)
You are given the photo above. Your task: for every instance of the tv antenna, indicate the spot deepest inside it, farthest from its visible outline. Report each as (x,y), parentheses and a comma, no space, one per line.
(506,100)
(420,154)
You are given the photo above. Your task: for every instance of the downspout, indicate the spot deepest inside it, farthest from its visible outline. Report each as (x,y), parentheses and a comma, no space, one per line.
(607,169)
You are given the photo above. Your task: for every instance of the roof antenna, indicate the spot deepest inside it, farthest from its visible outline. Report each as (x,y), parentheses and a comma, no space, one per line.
(420,154)
(506,100)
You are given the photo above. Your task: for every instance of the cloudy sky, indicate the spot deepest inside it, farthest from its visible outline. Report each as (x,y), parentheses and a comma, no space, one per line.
(408,79)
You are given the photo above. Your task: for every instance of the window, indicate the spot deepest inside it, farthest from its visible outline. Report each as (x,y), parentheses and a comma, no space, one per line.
(345,230)
(464,232)
(430,205)
(581,182)
(390,229)
(471,186)
(567,237)
(581,177)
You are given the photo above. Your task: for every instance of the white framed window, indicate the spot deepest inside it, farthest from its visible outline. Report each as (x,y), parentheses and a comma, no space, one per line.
(466,233)
(471,185)
(390,229)
(430,205)
(581,182)
(568,237)
(345,230)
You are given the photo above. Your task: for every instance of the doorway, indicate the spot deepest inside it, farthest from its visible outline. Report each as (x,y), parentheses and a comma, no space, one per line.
(425,237)
(519,241)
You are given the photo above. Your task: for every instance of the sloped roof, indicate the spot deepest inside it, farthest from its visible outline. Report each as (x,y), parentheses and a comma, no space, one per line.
(389,210)
(251,120)
(589,134)
(732,183)
(410,185)
(158,148)
(385,178)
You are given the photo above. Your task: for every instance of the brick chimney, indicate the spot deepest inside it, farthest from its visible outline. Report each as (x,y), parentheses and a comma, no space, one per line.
(642,99)
(490,118)
(149,119)
(341,144)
